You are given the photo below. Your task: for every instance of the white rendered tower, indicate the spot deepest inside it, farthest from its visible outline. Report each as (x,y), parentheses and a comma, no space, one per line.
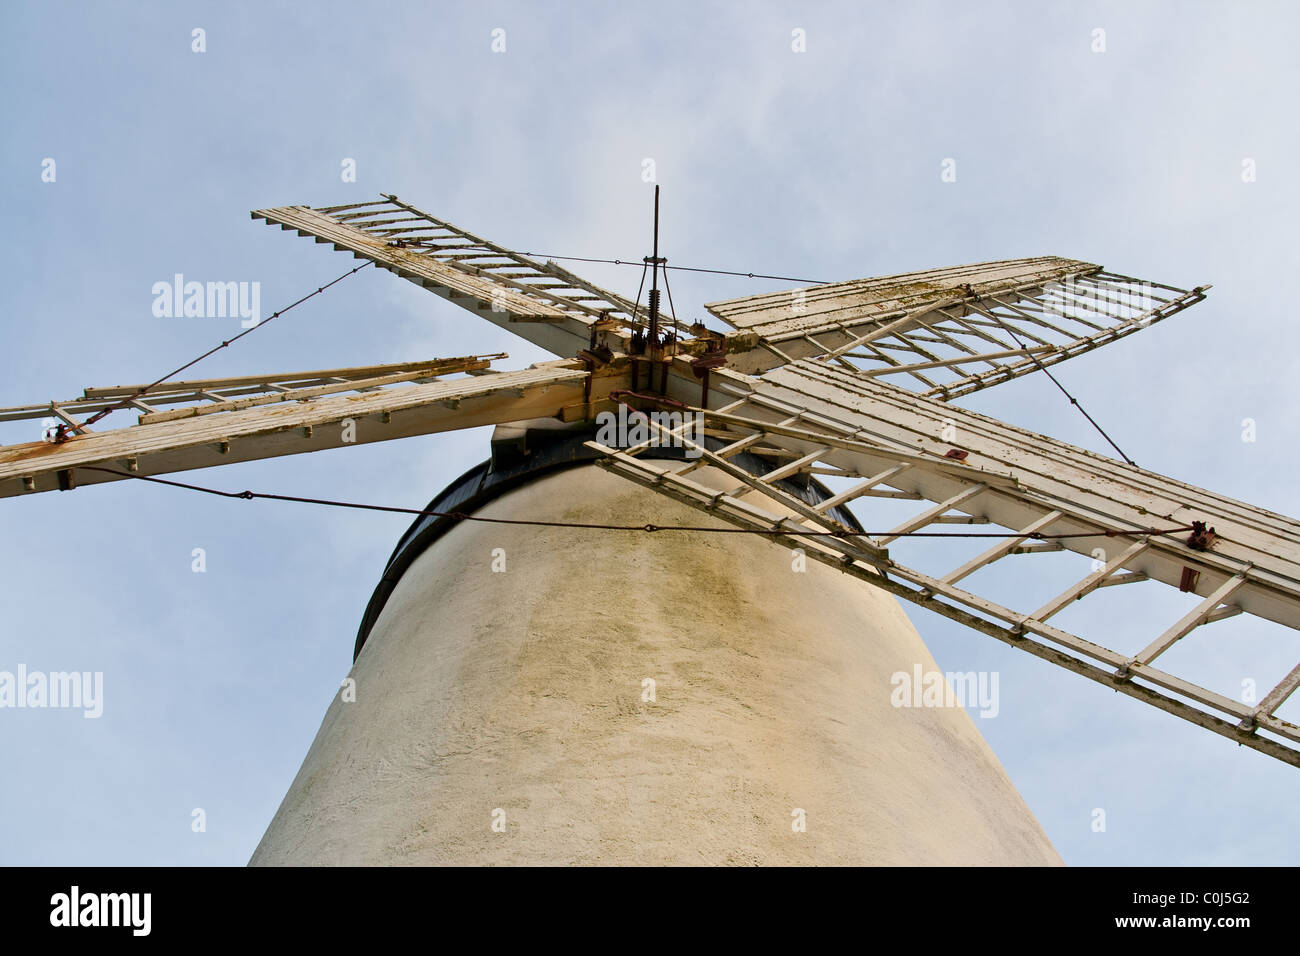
(530,695)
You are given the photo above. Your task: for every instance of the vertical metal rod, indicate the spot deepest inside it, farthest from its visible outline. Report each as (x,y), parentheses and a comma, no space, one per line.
(654,288)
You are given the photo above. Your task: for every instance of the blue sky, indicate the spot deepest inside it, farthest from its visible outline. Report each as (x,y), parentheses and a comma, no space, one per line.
(822,164)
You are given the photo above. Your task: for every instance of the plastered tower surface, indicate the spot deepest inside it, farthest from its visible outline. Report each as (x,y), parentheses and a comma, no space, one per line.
(506,717)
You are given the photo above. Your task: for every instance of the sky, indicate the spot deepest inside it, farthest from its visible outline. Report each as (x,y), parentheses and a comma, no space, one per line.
(1169,154)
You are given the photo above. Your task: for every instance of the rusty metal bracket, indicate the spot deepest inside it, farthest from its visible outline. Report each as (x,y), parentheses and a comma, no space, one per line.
(1201,538)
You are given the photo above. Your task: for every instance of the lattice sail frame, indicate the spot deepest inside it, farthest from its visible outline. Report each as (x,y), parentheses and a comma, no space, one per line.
(540,301)
(210,395)
(222,421)
(814,419)
(817,405)
(950,332)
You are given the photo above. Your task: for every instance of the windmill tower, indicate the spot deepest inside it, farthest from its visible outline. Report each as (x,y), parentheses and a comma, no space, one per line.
(680,643)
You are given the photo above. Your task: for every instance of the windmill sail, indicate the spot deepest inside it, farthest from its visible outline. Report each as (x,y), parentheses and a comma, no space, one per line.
(539,301)
(815,419)
(949,332)
(254,417)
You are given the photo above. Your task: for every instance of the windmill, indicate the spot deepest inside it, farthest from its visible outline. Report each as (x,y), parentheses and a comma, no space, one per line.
(818,400)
